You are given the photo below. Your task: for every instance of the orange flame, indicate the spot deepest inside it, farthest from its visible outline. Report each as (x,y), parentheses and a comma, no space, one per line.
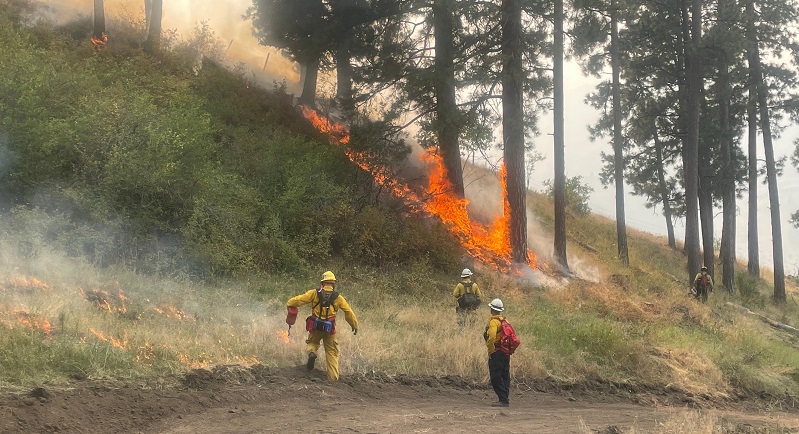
(489,244)
(284,335)
(23,284)
(29,320)
(119,343)
(172,312)
(114,303)
(193,364)
(99,42)
(145,354)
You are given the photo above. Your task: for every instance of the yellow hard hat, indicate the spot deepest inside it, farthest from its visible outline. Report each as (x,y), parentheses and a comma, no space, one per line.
(328,276)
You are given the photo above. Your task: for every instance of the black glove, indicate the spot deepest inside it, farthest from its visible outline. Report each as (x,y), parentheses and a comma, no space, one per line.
(354,331)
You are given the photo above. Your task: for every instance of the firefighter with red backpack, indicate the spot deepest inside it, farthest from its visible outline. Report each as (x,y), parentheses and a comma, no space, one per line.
(321,324)
(469,298)
(501,341)
(703,284)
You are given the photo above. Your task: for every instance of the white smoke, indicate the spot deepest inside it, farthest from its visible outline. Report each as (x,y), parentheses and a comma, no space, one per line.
(225,17)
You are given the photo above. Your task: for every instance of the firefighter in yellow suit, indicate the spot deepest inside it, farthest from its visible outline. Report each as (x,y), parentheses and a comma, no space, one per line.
(325,303)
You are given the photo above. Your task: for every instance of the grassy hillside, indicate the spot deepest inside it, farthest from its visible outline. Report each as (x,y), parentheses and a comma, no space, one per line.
(158,213)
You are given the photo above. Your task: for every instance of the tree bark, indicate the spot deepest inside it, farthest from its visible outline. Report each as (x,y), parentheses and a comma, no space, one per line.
(559,187)
(308,96)
(727,253)
(771,175)
(706,219)
(448,129)
(664,192)
(690,153)
(148,7)
(513,126)
(753,248)
(618,149)
(344,76)
(99,20)
(153,42)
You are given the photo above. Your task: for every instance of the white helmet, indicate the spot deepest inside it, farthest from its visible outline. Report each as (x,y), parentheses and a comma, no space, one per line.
(496,304)
(466,272)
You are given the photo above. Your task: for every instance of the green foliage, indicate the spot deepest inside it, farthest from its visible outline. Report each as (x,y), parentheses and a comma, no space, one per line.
(577,194)
(176,166)
(749,289)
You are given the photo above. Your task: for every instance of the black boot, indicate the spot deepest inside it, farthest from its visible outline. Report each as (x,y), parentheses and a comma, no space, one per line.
(311,361)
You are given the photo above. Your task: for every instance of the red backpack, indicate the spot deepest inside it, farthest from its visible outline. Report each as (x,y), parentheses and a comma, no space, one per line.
(508,341)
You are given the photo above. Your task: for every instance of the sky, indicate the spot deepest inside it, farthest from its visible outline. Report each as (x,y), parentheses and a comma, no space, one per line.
(582,156)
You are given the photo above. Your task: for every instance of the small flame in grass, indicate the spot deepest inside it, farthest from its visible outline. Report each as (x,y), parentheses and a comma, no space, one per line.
(100,42)
(193,364)
(119,343)
(145,354)
(23,284)
(29,320)
(172,312)
(104,300)
(284,335)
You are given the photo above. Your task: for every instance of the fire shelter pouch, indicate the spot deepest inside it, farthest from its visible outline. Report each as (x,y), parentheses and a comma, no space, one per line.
(323,325)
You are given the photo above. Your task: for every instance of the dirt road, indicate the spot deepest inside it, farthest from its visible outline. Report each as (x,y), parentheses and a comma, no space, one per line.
(263,400)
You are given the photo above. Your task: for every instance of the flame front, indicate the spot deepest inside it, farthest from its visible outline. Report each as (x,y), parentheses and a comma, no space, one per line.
(122,344)
(490,244)
(26,319)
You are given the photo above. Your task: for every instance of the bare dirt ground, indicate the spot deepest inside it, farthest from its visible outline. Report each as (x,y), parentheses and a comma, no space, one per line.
(232,399)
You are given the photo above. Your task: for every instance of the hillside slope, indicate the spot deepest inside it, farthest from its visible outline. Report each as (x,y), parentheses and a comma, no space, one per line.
(159,213)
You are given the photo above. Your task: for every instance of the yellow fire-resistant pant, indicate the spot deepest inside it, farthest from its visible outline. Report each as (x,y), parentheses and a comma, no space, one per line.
(331,351)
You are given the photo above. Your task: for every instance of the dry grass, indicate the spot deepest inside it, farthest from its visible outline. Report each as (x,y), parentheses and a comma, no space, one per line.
(634,324)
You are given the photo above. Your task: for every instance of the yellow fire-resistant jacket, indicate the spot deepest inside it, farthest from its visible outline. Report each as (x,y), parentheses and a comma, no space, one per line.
(460,289)
(698,279)
(339,303)
(491,334)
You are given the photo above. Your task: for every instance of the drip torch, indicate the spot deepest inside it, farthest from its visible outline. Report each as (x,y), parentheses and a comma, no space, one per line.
(291,318)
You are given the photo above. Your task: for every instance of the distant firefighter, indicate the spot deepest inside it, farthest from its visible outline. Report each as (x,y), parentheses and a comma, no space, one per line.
(703,284)
(321,324)
(469,297)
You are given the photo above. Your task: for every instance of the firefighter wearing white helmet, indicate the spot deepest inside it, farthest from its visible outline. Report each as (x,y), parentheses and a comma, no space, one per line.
(498,361)
(321,324)
(469,297)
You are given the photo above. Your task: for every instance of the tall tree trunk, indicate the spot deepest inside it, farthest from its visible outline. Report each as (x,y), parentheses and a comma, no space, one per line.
(682,92)
(308,96)
(99,20)
(148,7)
(706,218)
(691,147)
(664,192)
(513,126)
(771,174)
(560,148)
(727,253)
(753,244)
(618,149)
(448,124)
(153,42)
(344,75)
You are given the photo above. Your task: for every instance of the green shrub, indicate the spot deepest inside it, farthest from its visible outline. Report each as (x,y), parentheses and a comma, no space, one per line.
(577,194)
